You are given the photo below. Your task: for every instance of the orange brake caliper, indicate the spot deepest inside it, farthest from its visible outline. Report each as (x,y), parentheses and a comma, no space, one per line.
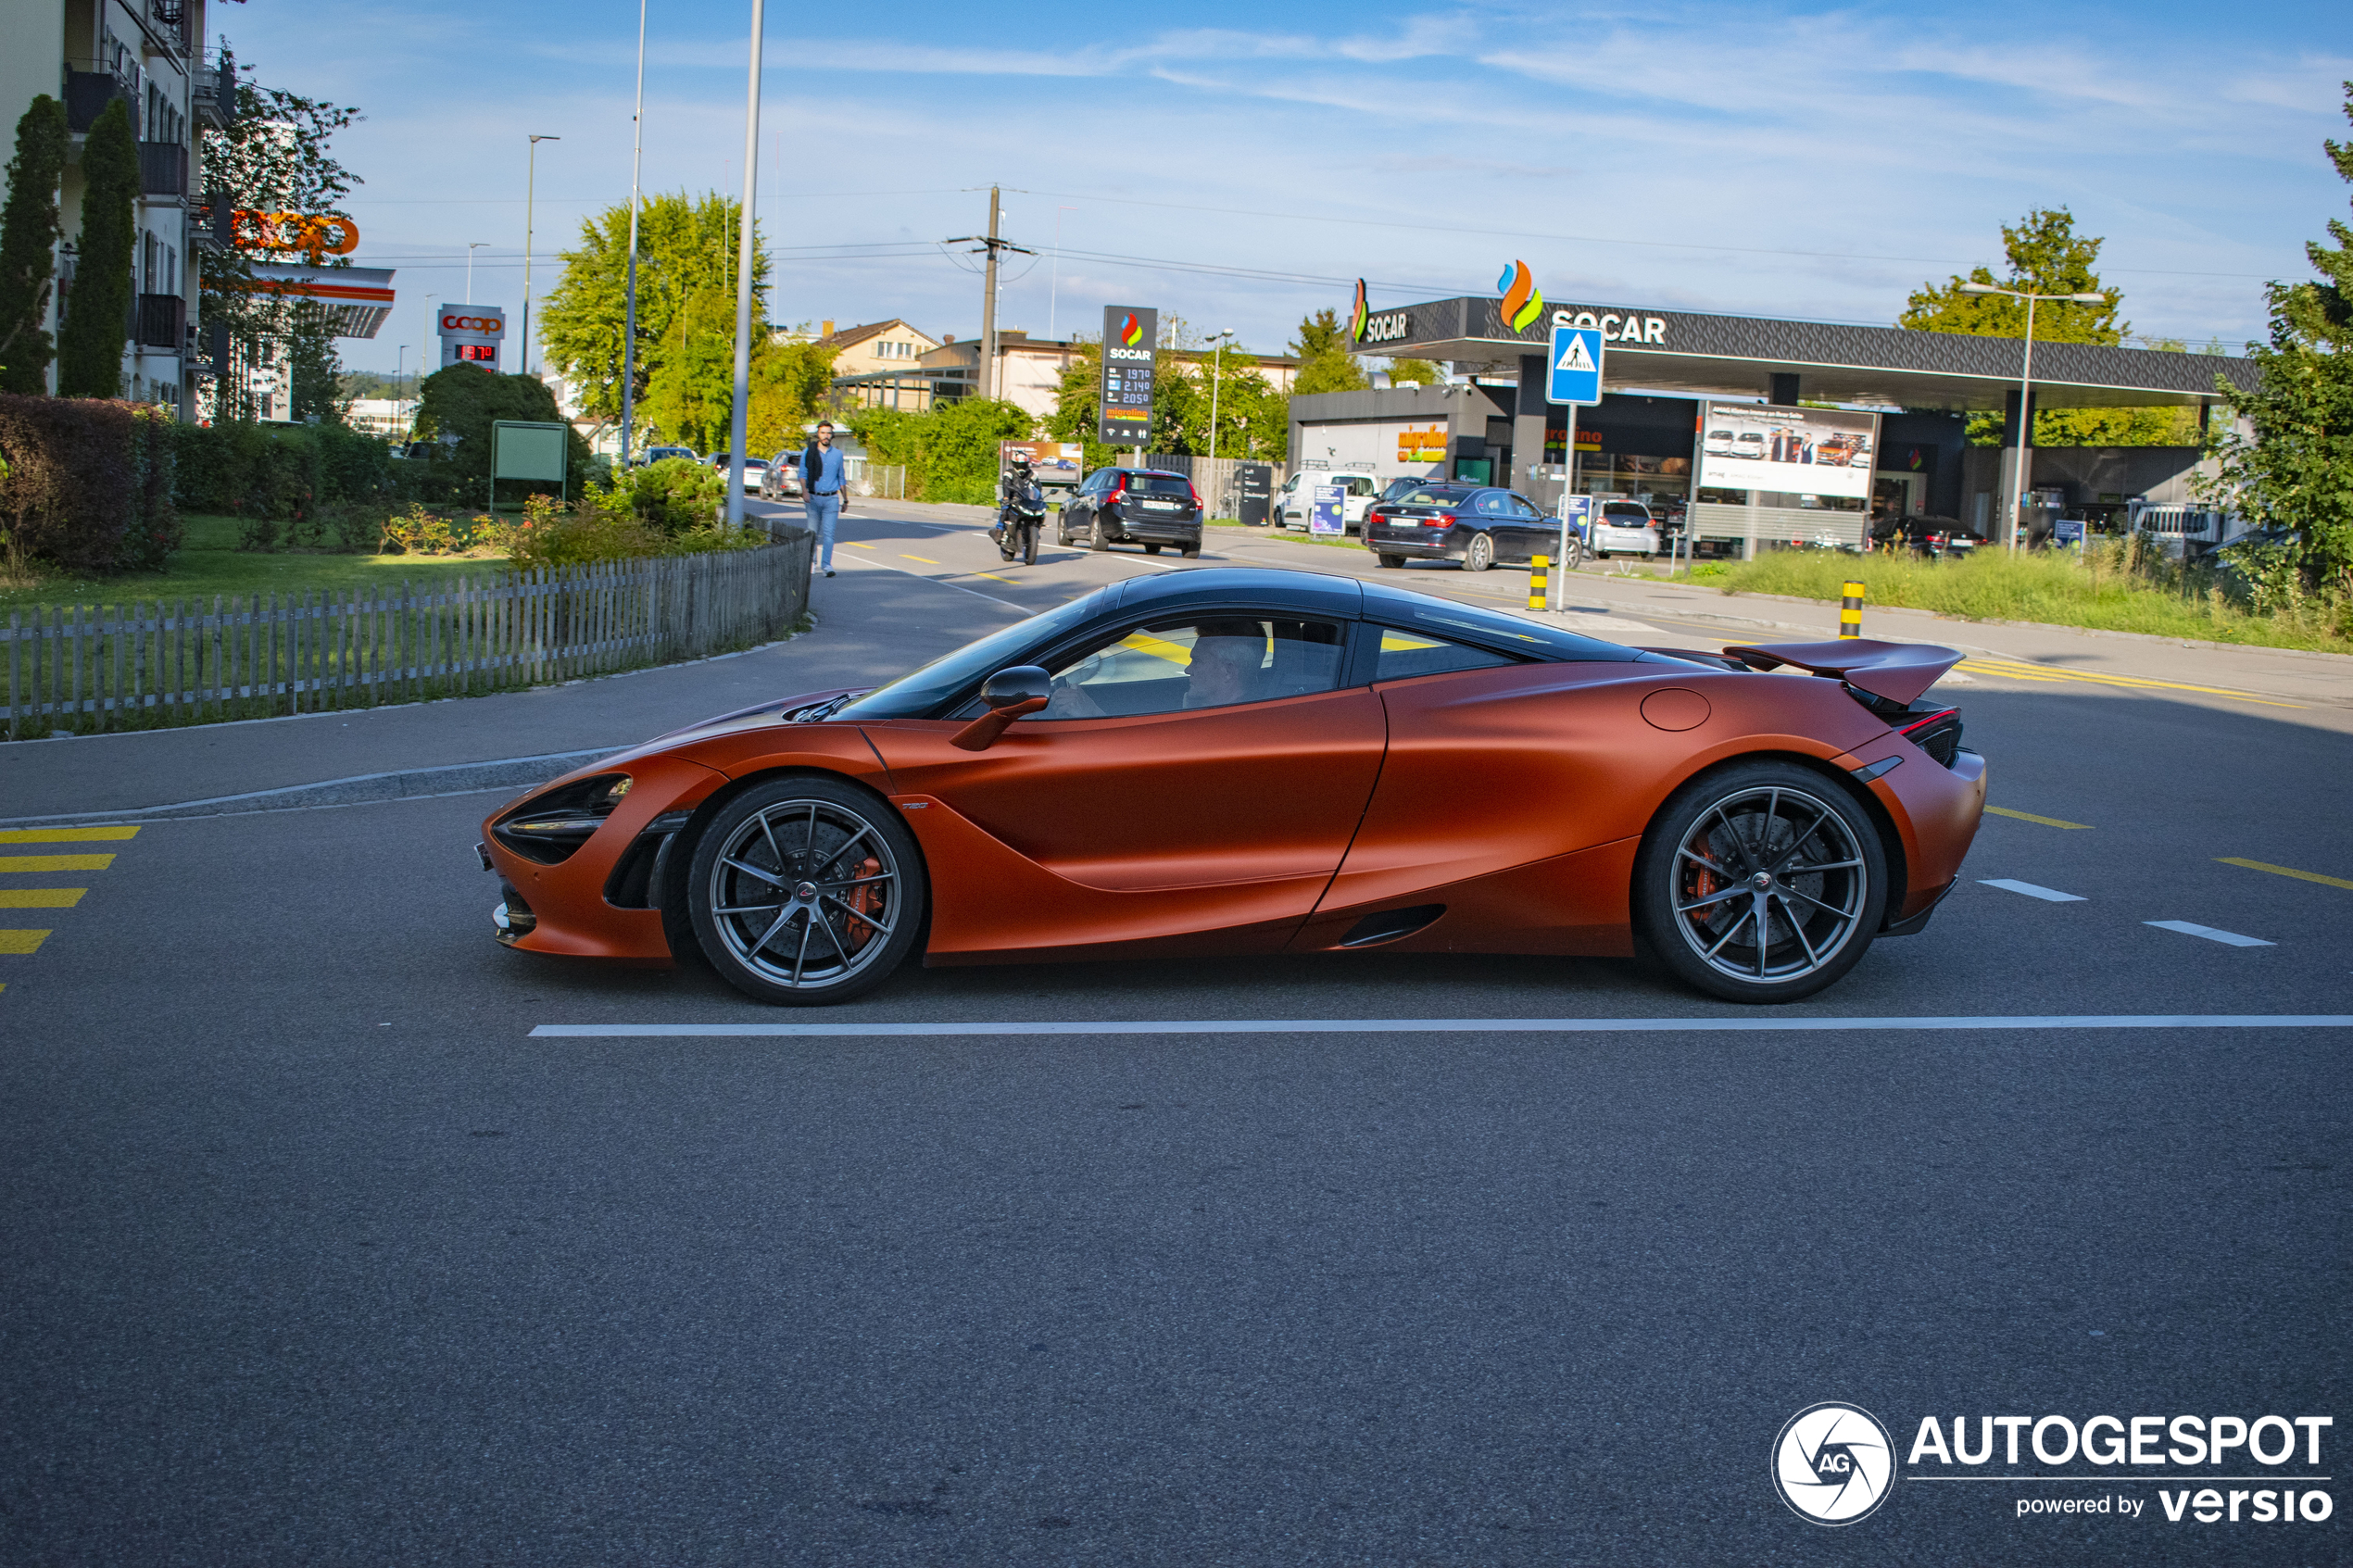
(866,900)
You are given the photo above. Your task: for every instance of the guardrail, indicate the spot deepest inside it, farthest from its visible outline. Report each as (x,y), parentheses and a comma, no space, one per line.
(152,664)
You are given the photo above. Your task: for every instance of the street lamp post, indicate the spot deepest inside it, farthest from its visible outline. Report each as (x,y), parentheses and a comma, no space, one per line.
(471,246)
(1217,363)
(530,191)
(738,414)
(629,309)
(2016,504)
(400,367)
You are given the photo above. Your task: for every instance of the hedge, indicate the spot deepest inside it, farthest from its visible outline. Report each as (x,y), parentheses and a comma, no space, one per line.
(283,472)
(86,482)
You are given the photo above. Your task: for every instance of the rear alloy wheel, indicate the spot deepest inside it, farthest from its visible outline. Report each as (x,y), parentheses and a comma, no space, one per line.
(805,890)
(1392,560)
(1763,882)
(1482,553)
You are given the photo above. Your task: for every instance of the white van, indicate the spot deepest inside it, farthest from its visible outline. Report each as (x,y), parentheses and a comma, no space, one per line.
(1295,502)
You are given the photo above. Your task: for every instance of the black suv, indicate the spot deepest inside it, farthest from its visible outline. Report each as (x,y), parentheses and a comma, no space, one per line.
(1147,507)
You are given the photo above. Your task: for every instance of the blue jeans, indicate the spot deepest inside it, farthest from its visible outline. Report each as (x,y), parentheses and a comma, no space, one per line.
(823,513)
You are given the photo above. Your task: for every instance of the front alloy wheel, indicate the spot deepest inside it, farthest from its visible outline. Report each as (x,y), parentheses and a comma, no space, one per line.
(805,890)
(1762,883)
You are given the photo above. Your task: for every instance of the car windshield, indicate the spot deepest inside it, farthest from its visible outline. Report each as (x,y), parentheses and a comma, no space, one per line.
(1159,485)
(916,694)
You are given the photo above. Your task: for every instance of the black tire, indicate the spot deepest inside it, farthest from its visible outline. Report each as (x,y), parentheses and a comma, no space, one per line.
(1480,554)
(1029,543)
(1392,560)
(799,832)
(1152,549)
(1718,833)
(1192,552)
(1100,539)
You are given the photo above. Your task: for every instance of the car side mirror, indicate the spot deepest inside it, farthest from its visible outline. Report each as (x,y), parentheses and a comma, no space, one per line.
(1010,694)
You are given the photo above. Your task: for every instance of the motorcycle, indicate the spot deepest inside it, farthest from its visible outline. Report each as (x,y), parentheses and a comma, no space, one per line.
(1019,522)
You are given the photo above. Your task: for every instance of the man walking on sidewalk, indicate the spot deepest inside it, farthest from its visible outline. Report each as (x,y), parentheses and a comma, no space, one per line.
(821,477)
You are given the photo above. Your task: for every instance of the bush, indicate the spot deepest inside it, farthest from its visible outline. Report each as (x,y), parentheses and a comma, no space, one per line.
(463,401)
(672,496)
(595,531)
(319,487)
(87,484)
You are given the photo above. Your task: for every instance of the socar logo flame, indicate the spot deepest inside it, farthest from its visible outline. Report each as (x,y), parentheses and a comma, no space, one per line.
(1357,314)
(1523,302)
(1132,333)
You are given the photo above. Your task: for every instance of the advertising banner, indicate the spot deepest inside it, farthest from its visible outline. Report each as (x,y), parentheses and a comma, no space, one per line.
(1052,462)
(1330,515)
(1790,451)
(1126,403)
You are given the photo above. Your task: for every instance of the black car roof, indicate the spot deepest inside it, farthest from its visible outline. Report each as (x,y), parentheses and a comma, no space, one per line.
(1308,591)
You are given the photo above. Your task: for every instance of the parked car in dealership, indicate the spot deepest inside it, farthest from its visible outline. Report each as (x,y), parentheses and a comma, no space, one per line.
(1147,507)
(656,454)
(1934,538)
(1479,525)
(1294,504)
(1720,443)
(1749,444)
(1624,528)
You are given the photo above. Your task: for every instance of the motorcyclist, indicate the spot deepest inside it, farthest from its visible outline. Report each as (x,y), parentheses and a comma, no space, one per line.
(1013,487)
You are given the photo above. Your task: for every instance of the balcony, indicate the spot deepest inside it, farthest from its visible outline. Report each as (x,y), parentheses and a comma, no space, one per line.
(215,93)
(165,26)
(209,230)
(162,322)
(163,168)
(89,92)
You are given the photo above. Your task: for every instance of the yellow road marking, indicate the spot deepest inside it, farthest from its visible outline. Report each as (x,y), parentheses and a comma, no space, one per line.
(925,559)
(2031,817)
(21,941)
(12,863)
(64,836)
(2019,669)
(67,897)
(992,577)
(2284,870)
(857,543)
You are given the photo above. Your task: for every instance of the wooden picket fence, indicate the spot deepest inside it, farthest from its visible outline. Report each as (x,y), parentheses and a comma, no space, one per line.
(144,665)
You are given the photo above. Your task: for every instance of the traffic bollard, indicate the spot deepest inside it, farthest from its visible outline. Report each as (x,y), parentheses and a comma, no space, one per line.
(1850,613)
(1536,597)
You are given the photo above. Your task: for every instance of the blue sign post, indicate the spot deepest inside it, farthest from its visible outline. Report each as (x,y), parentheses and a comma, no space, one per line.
(1574,380)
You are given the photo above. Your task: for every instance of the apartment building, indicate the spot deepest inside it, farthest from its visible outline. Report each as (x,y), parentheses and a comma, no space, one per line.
(149,54)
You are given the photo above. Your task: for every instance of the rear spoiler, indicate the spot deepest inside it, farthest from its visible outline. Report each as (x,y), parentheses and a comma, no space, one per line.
(1898,672)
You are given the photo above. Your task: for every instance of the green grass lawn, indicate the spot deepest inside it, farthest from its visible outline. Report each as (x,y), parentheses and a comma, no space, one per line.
(210,563)
(2053,588)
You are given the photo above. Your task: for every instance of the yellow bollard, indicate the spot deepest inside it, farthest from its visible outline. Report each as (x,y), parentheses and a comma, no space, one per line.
(1850,613)
(1537,592)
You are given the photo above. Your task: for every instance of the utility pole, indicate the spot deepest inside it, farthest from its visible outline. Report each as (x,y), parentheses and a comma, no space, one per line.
(629,309)
(530,191)
(990,244)
(745,230)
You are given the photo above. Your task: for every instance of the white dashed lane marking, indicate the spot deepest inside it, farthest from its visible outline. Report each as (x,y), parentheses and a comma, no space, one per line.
(2048,895)
(2228,938)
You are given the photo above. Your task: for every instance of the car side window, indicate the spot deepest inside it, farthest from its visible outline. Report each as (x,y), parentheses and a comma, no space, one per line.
(1524,507)
(1491,503)
(1407,654)
(1204,661)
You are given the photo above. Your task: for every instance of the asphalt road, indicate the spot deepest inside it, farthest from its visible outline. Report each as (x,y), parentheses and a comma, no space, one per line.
(314,1252)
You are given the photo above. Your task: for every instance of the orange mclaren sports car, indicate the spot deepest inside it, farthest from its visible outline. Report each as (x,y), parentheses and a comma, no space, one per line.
(1228,761)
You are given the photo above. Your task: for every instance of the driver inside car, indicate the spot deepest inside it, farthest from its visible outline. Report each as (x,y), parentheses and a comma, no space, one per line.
(1224,666)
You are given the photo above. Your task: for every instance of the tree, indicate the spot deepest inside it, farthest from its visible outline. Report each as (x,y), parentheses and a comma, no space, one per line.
(687,250)
(276,157)
(98,308)
(1417,372)
(456,408)
(2046,256)
(2296,472)
(29,247)
(1325,364)
(950,449)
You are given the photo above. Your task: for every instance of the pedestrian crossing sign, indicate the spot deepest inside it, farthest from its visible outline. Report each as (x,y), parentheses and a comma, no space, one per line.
(1575,376)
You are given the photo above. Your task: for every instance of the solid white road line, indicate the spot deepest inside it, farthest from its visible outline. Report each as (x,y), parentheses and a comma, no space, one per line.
(2048,895)
(1776,1025)
(2228,938)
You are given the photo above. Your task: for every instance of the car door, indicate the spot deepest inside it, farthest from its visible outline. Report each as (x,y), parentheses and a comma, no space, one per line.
(1196,780)
(1079,515)
(1529,531)
(1492,511)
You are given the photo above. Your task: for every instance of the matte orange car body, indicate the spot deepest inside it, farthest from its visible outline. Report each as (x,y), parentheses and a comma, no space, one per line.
(1516,796)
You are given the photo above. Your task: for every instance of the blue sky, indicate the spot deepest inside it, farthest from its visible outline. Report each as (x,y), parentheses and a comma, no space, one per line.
(1766,157)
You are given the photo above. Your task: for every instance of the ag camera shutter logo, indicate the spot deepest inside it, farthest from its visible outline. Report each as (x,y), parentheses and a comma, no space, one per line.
(1834,1463)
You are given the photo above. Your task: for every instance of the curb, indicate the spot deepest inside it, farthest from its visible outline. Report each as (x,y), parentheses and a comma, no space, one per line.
(459,778)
